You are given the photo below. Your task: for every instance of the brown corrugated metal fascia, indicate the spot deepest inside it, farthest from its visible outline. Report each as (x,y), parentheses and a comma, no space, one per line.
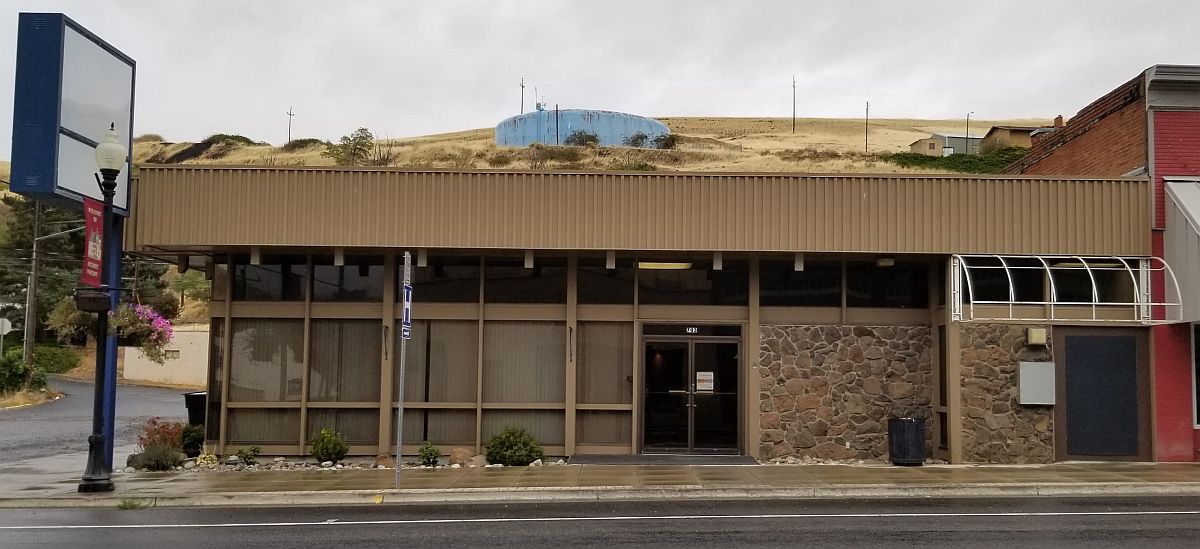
(219,206)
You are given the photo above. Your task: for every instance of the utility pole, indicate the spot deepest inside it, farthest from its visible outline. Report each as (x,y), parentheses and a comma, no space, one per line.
(866,126)
(290,115)
(793,104)
(31,287)
(522,95)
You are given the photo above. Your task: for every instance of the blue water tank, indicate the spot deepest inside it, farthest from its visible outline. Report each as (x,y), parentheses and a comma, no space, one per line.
(551,127)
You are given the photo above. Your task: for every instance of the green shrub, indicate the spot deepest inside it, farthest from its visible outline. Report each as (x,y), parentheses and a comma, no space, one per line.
(15,375)
(299,144)
(159,457)
(514,446)
(54,359)
(638,140)
(249,456)
(665,141)
(428,454)
(228,138)
(193,440)
(329,446)
(993,162)
(582,138)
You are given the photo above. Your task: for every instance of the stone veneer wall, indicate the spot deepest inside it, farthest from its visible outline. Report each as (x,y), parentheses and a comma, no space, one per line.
(995,428)
(825,386)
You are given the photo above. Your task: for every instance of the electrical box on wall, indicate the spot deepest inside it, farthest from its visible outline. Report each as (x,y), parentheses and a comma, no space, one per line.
(1037,383)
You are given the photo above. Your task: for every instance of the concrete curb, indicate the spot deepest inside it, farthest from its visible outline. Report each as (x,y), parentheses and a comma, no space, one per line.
(604,493)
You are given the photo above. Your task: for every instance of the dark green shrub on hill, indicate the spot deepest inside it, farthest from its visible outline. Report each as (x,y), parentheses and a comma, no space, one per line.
(582,138)
(299,144)
(54,359)
(229,138)
(993,162)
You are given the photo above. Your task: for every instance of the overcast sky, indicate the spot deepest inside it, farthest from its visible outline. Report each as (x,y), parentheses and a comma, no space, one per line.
(235,66)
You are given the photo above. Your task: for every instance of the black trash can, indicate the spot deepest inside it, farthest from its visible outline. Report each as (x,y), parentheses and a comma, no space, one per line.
(195,403)
(906,440)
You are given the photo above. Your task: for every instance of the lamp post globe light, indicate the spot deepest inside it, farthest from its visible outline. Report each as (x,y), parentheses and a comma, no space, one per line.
(110,157)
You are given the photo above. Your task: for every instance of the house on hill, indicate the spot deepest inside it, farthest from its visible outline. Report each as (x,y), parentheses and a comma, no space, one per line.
(945,144)
(1001,137)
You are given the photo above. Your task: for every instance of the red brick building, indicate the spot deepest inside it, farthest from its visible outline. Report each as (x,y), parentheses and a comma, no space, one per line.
(1149,126)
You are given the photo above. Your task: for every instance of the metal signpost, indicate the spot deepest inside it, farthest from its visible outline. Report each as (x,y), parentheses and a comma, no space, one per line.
(5,327)
(405,335)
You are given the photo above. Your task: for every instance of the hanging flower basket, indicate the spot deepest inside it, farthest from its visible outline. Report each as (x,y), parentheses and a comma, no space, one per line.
(144,327)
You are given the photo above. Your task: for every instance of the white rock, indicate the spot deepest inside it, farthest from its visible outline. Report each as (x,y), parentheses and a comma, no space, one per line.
(536,463)
(130,470)
(279,460)
(455,466)
(189,464)
(560,462)
(490,465)
(338,466)
(381,467)
(326,464)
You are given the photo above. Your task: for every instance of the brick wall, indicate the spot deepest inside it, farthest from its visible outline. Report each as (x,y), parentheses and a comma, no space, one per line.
(1106,138)
(1176,152)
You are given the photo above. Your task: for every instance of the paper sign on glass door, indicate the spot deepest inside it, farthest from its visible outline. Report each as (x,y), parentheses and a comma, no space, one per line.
(704,381)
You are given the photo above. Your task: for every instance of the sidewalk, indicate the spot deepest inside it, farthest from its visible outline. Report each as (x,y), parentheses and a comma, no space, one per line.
(607,482)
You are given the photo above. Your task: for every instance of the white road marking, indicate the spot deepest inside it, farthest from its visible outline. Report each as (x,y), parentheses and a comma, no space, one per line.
(598,519)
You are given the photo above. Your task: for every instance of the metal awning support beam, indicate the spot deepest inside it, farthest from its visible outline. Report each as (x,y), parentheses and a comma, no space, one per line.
(970,306)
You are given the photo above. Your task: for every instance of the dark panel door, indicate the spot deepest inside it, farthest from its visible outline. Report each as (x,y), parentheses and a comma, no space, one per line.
(667,406)
(715,397)
(1101,395)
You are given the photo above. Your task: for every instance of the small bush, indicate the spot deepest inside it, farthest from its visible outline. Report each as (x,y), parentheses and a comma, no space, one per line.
(542,153)
(993,162)
(329,446)
(638,140)
(249,456)
(228,138)
(299,144)
(149,138)
(193,440)
(15,375)
(428,454)
(514,446)
(582,138)
(633,166)
(157,432)
(160,457)
(206,460)
(55,360)
(665,141)
(500,159)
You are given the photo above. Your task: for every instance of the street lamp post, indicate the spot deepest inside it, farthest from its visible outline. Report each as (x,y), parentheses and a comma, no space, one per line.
(110,157)
(967,137)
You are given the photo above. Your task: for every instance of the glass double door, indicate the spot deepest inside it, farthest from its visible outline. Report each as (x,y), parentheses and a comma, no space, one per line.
(691,396)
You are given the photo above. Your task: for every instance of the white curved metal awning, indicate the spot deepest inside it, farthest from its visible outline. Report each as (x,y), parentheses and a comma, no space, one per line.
(1042,288)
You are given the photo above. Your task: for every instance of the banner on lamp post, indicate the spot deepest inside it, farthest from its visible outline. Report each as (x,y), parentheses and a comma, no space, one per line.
(93,251)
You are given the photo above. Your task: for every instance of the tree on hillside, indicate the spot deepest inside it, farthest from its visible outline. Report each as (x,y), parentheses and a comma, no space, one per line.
(352,150)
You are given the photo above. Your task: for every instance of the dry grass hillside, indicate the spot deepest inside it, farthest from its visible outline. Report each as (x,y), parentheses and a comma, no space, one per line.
(705,144)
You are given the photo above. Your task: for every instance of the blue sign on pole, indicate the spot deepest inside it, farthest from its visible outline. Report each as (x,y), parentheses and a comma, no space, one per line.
(406,323)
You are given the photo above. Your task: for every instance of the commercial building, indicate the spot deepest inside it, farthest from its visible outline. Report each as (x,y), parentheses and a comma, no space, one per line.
(945,144)
(751,313)
(1150,127)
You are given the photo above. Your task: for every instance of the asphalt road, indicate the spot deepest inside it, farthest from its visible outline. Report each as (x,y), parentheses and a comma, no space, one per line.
(62,427)
(1014,522)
